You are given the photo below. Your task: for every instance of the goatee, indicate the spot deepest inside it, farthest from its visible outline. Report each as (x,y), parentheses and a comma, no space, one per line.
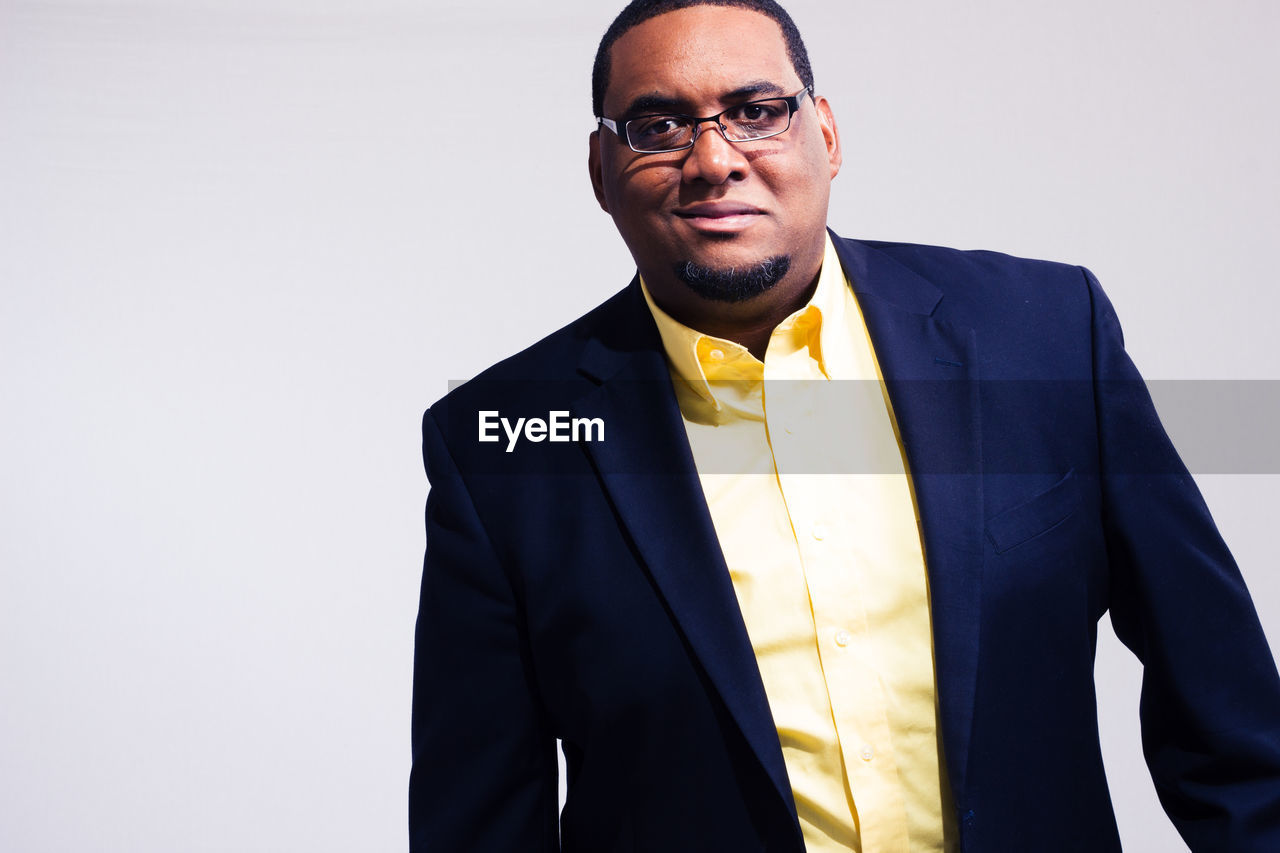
(733,284)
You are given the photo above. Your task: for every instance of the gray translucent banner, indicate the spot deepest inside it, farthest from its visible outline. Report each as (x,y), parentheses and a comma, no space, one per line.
(842,427)
(1222,426)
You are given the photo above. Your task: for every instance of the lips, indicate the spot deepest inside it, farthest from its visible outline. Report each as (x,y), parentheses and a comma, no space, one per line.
(719,217)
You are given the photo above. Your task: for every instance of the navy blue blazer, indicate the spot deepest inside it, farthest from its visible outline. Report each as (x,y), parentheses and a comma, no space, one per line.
(576,590)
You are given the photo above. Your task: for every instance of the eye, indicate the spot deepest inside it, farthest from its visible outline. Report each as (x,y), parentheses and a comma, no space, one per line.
(655,127)
(758,114)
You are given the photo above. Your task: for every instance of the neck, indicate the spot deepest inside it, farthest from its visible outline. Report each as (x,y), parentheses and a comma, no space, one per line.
(749,323)
(751,328)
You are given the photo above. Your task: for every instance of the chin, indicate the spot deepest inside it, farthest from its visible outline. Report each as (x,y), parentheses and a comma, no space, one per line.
(733,282)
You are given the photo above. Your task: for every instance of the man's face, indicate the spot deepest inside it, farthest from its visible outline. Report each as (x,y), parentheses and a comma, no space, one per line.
(720,205)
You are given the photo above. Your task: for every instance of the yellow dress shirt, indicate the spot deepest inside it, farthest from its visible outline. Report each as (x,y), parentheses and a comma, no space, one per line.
(804,476)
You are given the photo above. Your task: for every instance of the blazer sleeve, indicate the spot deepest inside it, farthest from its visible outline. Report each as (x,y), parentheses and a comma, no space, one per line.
(1210,704)
(484,774)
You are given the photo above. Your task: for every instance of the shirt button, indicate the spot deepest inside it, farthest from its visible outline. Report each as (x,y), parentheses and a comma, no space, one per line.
(819,532)
(716,355)
(842,638)
(867,752)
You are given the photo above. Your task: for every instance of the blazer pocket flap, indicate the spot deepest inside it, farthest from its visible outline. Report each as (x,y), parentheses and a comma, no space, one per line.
(1029,519)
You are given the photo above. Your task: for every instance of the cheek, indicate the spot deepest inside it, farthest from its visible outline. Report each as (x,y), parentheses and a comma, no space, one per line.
(639,199)
(808,189)
(812,173)
(645,189)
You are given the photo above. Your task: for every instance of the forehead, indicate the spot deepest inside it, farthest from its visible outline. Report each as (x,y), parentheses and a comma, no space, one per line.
(696,55)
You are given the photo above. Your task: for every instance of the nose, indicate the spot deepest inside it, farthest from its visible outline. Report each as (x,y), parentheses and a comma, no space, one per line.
(713,158)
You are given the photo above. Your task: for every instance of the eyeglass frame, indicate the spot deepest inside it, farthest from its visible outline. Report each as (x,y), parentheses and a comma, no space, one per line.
(792,102)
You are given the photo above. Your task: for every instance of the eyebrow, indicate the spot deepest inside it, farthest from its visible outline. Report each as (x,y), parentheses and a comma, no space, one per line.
(654,102)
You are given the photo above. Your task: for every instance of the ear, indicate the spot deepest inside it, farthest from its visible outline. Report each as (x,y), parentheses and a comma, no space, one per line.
(830,134)
(594,166)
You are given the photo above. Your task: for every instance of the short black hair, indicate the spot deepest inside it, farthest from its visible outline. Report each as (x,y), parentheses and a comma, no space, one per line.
(639,11)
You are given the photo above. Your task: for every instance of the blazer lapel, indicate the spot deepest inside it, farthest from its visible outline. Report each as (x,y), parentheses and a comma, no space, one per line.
(648,471)
(930,369)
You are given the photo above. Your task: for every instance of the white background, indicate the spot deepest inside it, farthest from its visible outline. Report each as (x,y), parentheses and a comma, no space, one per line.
(244,244)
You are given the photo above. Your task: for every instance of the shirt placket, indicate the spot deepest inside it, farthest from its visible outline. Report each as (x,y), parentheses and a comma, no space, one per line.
(856,694)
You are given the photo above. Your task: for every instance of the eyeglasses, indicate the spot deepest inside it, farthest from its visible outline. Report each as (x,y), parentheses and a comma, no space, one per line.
(748,122)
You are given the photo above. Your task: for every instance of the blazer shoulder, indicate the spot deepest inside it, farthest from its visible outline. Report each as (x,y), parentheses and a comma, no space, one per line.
(980,287)
(1030,316)
(980,268)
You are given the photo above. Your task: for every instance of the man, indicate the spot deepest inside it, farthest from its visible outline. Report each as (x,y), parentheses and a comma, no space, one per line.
(670,534)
